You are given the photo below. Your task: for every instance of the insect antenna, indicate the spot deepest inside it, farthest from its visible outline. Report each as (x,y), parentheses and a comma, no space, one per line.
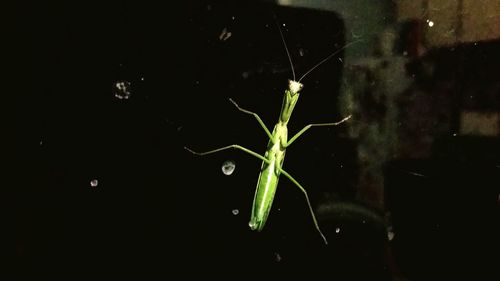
(327,58)
(286,47)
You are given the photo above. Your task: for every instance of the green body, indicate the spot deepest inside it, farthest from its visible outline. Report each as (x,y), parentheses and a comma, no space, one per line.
(272,161)
(275,154)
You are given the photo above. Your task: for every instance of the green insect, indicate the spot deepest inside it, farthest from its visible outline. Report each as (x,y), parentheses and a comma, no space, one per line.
(272,160)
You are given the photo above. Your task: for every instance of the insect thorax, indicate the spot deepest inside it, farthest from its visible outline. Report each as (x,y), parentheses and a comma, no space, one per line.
(289,101)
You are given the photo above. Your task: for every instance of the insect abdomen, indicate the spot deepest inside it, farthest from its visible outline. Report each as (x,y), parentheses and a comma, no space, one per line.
(264,195)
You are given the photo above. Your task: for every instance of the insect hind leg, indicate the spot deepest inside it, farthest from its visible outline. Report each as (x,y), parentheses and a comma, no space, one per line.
(286,174)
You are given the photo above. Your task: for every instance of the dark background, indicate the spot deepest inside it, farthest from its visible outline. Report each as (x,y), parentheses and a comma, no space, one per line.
(158,210)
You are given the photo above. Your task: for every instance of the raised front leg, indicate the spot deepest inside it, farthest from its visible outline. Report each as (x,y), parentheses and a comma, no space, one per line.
(256,117)
(315,125)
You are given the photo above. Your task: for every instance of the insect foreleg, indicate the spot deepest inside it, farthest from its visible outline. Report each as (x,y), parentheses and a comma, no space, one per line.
(256,117)
(307,199)
(315,125)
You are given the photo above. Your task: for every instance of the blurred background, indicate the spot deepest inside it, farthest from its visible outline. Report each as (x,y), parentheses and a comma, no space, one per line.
(111,92)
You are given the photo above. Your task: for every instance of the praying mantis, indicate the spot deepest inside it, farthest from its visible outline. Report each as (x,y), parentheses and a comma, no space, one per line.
(272,160)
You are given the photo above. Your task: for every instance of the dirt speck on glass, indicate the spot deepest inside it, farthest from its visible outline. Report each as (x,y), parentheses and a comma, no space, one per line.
(122,90)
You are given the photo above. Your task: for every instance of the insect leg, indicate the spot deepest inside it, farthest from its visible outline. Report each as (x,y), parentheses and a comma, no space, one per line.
(235,146)
(286,174)
(256,117)
(315,125)
(307,199)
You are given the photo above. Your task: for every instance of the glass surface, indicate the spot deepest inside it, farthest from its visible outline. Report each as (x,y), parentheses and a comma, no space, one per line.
(406,189)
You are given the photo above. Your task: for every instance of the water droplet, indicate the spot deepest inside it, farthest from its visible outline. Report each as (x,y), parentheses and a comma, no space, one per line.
(225,34)
(430,23)
(301,52)
(390,233)
(277,257)
(94,182)
(337,230)
(235,211)
(121,90)
(233,17)
(142,78)
(228,167)
(284,25)
(454,134)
